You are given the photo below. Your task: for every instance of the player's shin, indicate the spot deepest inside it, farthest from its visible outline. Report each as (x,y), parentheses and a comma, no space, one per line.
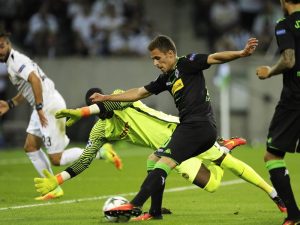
(153,182)
(244,171)
(40,161)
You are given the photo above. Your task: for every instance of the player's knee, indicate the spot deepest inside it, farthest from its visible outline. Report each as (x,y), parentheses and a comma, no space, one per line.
(55,159)
(212,187)
(153,157)
(30,148)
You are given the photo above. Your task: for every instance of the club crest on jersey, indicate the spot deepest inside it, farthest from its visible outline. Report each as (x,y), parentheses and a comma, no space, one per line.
(178,85)
(280,32)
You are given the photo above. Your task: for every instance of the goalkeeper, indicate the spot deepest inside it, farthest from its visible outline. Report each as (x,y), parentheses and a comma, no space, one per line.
(135,122)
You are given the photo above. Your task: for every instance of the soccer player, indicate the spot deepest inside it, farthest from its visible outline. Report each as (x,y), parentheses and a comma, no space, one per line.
(136,123)
(183,78)
(35,87)
(284,129)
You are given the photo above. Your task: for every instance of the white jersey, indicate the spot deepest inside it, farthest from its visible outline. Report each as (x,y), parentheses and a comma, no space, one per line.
(19,66)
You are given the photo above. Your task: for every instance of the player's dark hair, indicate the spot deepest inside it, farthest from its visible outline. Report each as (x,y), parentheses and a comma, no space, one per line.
(162,43)
(89,93)
(4,34)
(293,1)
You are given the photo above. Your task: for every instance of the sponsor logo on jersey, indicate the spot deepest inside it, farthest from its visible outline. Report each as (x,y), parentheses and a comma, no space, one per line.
(281,32)
(192,57)
(125,130)
(297,24)
(21,68)
(178,85)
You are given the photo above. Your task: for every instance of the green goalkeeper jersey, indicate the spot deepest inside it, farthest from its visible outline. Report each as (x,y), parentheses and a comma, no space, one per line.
(132,122)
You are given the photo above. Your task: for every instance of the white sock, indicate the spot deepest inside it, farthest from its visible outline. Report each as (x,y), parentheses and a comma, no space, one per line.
(273,194)
(70,155)
(101,154)
(40,161)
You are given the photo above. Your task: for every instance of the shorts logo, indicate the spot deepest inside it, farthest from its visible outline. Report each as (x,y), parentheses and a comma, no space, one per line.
(168,151)
(280,32)
(178,85)
(21,68)
(160,150)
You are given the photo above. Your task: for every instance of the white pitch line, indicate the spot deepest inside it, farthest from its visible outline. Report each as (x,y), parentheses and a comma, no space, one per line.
(15,161)
(184,188)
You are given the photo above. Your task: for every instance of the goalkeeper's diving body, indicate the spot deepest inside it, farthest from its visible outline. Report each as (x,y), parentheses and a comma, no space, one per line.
(135,122)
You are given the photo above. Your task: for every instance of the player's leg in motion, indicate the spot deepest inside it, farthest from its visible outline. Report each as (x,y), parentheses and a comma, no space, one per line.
(248,174)
(194,171)
(280,178)
(107,153)
(40,162)
(208,178)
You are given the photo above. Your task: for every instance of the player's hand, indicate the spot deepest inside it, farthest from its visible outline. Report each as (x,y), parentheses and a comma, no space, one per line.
(263,72)
(73,114)
(3,107)
(97,97)
(250,47)
(43,118)
(46,184)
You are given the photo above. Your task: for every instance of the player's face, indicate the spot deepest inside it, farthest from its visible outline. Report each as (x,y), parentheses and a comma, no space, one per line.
(4,49)
(163,61)
(283,7)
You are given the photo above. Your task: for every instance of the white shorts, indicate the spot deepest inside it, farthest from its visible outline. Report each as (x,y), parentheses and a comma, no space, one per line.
(54,135)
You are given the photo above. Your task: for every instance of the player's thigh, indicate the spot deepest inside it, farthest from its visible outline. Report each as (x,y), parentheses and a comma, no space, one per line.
(189,140)
(32,143)
(284,130)
(54,135)
(189,168)
(34,135)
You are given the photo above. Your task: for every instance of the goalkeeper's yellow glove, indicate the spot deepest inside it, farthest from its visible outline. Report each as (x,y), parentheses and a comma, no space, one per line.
(48,183)
(73,114)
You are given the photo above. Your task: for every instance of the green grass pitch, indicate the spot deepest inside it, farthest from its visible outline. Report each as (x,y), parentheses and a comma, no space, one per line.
(235,202)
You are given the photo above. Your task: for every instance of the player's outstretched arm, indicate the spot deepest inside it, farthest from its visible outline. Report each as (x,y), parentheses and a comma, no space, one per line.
(48,183)
(130,95)
(285,62)
(76,114)
(226,56)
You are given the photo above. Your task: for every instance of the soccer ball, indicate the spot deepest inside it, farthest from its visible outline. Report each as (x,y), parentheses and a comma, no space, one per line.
(111,203)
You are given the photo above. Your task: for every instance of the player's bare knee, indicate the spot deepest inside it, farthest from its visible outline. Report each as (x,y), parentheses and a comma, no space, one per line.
(30,148)
(153,157)
(55,159)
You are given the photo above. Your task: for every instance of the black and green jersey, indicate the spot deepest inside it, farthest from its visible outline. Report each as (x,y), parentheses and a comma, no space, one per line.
(186,84)
(132,122)
(287,33)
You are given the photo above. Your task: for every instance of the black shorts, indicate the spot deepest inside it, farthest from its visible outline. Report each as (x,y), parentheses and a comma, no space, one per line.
(284,131)
(188,140)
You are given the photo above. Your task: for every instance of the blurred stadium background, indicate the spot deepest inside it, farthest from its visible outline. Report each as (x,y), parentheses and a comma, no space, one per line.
(87,43)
